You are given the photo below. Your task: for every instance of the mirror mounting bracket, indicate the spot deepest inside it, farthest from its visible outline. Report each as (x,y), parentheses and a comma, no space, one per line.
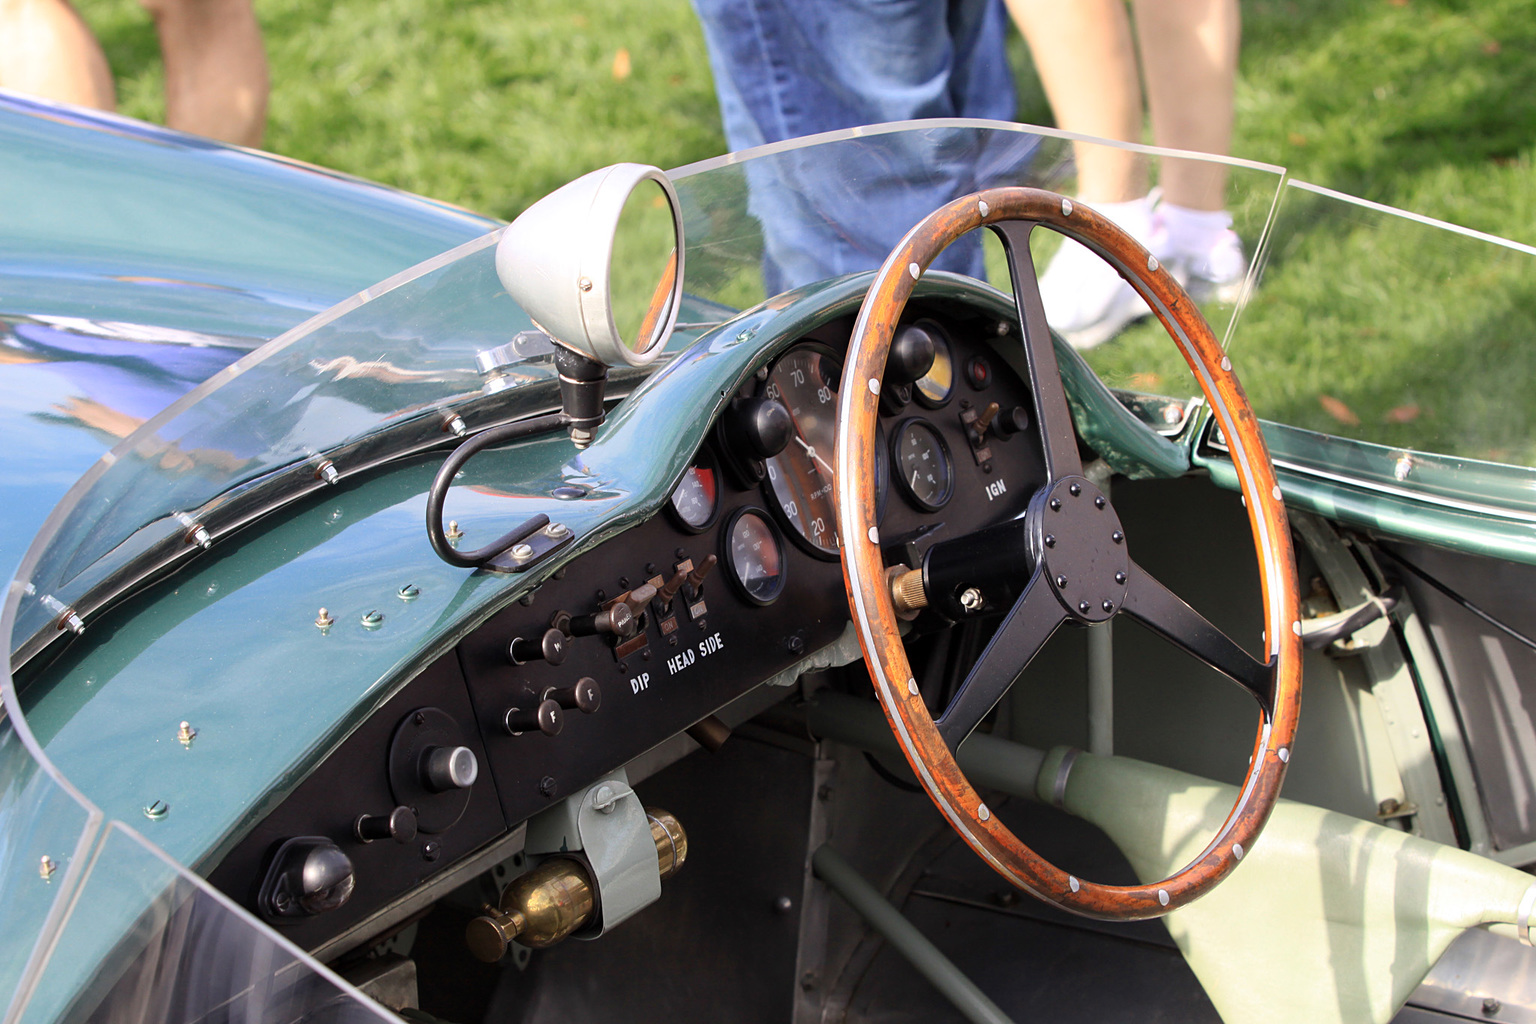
(582,380)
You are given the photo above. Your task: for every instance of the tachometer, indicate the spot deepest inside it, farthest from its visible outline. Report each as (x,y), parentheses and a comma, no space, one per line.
(934,387)
(801,476)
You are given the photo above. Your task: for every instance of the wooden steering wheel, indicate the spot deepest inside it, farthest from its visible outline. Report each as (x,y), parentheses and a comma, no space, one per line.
(1081,568)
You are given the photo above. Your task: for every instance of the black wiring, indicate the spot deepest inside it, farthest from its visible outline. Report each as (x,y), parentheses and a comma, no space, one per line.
(1505,628)
(890,776)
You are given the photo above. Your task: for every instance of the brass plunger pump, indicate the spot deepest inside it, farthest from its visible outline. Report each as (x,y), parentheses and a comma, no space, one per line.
(553,900)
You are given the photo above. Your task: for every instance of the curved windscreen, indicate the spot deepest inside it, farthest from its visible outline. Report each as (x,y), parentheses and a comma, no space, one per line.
(386,372)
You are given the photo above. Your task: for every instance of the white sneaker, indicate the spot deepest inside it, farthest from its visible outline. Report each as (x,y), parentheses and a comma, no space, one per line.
(1086,302)
(1218,274)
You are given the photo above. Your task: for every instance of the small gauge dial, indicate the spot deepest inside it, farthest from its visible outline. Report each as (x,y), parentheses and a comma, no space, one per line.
(696,499)
(934,387)
(755,555)
(801,477)
(923,465)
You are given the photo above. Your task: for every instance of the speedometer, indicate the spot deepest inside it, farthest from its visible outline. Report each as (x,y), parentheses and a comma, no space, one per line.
(801,476)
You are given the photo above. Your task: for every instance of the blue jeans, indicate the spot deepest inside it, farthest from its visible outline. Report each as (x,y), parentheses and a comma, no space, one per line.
(789,68)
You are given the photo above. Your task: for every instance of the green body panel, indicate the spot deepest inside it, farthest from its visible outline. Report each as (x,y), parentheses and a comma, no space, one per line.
(230,644)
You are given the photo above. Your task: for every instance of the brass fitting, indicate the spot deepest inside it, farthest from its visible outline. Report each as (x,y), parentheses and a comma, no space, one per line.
(907,592)
(556,898)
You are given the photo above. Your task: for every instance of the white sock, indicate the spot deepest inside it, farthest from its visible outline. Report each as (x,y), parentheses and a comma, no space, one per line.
(1192,233)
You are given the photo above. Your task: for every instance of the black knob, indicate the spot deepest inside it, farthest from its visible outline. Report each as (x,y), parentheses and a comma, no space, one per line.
(1011,422)
(550,647)
(761,426)
(444,769)
(399,825)
(544,717)
(309,875)
(582,695)
(912,354)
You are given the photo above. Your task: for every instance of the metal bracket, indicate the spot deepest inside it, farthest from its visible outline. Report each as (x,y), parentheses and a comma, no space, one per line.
(608,826)
(532,549)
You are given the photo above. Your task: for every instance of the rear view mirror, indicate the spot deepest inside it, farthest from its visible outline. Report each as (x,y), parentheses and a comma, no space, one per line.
(598,263)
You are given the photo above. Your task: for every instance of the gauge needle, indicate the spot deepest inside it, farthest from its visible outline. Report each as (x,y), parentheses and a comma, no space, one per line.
(812,453)
(914,479)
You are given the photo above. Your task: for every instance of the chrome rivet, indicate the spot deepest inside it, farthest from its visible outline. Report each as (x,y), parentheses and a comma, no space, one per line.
(1226,364)
(1296,627)
(1108,606)
(1237,850)
(1083,606)
(1050,540)
(1120,577)
(970,599)
(1117,537)
(912,687)
(372,619)
(409,592)
(1162,896)
(1074,489)
(522,552)
(874,386)
(453,532)
(1066,207)
(981,204)
(1152,263)
(556,531)
(1061,581)
(323,620)
(874,535)
(46,867)
(1099,502)
(1276,492)
(186,734)
(157,810)
(914,270)
(1284,754)
(983,813)
(746,334)
(1055,504)
(585,284)
(1073,882)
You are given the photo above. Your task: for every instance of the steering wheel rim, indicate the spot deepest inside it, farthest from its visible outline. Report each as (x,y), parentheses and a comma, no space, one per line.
(1013,213)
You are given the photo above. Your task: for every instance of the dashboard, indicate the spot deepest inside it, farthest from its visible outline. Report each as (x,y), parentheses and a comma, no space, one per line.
(639,639)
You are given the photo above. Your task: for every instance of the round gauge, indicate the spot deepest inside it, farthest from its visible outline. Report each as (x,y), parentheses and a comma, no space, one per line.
(696,499)
(934,387)
(800,478)
(755,556)
(923,466)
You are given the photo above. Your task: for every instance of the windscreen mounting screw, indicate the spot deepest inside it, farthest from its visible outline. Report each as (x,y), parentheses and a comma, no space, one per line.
(547,786)
(157,810)
(409,592)
(372,619)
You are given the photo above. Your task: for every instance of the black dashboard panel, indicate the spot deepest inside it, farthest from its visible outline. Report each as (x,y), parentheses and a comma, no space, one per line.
(723,639)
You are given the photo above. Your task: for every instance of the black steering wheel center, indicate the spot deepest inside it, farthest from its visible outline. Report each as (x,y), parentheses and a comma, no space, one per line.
(1082,548)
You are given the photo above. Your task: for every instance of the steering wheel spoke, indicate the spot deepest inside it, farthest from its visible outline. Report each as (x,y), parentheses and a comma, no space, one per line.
(1170,616)
(1052,414)
(1031,621)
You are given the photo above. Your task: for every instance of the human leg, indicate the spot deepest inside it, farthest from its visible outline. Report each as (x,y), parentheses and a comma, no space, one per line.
(1084,53)
(215,68)
(51,53)
(1189,52)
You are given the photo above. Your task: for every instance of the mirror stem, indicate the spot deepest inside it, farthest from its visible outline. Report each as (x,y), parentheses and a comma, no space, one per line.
(581,393)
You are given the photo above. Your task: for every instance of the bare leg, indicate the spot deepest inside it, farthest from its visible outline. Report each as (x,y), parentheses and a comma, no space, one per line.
(1189,50)
(49,52)
(215,68)
(1087,63)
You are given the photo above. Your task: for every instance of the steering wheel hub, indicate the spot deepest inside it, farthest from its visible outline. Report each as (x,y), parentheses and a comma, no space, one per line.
(1082,548)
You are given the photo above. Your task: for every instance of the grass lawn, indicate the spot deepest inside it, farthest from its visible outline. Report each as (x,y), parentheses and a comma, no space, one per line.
(1425,104)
